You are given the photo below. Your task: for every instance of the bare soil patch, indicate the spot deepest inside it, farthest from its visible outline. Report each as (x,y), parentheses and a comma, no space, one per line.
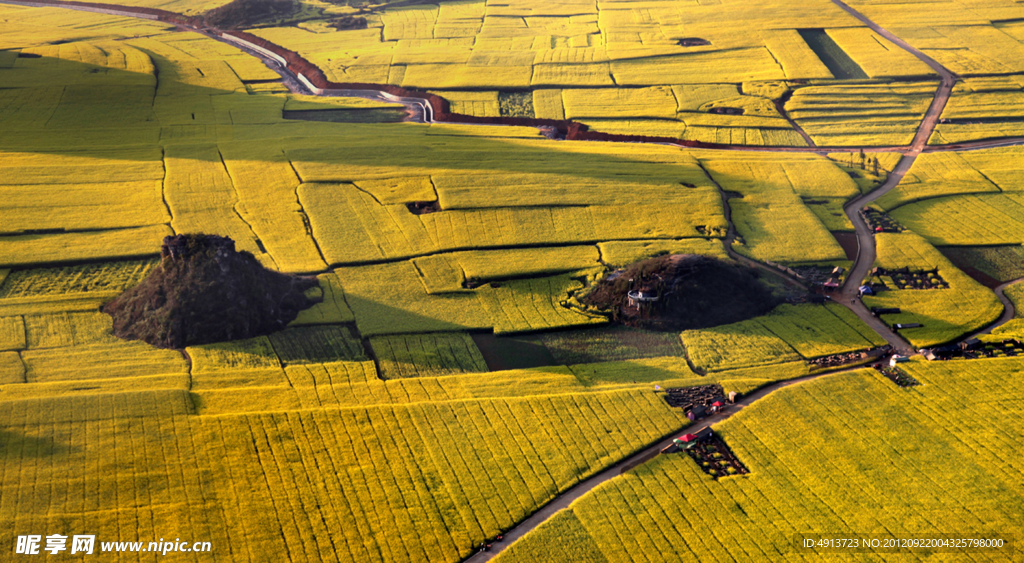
(423,207)
(345,23)
(688,397)
(715,458)
(880,222)
(905,278)
(896,375)
(849,243)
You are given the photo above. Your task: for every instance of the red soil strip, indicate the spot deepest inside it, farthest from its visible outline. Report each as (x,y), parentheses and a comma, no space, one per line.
(979,276)
(163,15)
(571,130)
(849,243)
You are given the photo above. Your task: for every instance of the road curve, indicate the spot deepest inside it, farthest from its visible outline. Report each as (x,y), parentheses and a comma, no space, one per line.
(1009,312)
(563,500)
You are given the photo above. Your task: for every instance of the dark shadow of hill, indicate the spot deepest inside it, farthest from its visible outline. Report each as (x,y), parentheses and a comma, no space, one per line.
(86,110)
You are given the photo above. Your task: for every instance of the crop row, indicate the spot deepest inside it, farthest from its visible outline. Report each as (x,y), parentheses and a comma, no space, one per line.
(946,313)
(806,452)
(785,334)
(426,355)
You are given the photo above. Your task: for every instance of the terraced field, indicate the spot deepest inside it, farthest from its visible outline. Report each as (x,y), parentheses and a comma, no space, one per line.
(382,424)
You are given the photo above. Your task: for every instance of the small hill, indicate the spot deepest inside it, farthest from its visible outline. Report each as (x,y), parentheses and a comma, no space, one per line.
(681,292)
(243,14)
(205,291)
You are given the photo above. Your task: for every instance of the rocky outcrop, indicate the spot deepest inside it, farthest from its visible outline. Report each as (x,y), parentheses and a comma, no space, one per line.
(205,291)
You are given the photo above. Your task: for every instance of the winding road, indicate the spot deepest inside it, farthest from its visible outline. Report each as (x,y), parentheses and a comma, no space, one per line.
(1009,312)
(848,294)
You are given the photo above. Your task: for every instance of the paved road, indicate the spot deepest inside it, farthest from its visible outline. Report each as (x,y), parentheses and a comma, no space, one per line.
(1008,310)
(568,497)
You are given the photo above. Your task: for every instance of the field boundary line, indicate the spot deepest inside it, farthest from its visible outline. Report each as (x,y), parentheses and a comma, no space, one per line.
(637,459)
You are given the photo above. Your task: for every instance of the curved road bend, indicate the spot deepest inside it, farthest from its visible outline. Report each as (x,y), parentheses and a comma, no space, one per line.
(1008,310)
(583,487)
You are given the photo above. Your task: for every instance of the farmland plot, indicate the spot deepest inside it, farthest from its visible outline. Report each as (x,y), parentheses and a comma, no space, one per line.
(945,314)
(966,220)
(861,114)
(1001,263)
(478,496)
(389,299)
(435,461)
(877,56)
(935,175)
(427,355)
(739,345)
(797,445)
(769,215)
(786,334)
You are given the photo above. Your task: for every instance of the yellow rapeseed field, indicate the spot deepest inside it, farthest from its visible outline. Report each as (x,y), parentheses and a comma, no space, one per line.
(382,423)
(805,447)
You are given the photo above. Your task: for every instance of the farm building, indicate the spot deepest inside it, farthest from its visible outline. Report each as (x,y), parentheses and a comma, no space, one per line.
(641,296)
(970,344)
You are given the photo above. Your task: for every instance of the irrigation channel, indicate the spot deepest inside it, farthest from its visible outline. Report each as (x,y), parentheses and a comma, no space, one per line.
(421,111)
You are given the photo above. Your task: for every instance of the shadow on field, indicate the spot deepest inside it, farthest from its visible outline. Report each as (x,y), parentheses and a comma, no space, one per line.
(16,446)
(89,111)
